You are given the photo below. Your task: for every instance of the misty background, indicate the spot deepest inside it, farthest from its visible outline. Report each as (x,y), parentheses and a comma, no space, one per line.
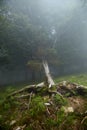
(33,30)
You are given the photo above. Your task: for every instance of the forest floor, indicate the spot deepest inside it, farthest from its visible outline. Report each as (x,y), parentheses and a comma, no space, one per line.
(44,108)
(77,78)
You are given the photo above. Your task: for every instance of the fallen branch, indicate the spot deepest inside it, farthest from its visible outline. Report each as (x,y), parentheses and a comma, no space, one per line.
(83,119)
(27,88)
(29,100)
(22,96)
(56,92)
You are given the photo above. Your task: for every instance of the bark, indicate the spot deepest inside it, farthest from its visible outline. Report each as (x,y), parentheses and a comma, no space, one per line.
(49,80)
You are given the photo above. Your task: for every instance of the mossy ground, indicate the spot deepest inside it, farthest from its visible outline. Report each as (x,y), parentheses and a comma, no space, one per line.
(78,78)
(35,115)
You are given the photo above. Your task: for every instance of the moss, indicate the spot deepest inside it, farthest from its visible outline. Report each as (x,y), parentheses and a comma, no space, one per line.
(38,116)
(59,101)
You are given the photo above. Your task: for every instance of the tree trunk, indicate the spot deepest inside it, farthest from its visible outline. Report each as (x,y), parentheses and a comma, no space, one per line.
(49,80)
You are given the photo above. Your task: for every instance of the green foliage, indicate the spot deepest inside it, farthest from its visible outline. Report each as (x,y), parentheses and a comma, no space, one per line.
(60,116)
(51,123)
(29,128)
(70,119)
(7,106)
(9,89)
(59,100)
(37,106)
(35,65)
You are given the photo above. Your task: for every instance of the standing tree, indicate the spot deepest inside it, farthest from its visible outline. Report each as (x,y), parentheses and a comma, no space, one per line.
(43,54)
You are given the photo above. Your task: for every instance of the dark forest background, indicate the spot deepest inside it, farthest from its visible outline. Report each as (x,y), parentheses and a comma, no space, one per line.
(31,30)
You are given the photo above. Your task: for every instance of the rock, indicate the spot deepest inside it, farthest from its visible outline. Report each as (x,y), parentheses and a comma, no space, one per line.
(64,83)
(12,122)
(18,128)
(68,109)
(47,104)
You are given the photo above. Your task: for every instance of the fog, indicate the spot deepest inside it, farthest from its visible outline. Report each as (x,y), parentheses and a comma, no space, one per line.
(64,23)
(56,16)
(60,18)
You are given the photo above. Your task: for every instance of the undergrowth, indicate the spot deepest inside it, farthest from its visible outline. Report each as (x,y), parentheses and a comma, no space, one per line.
(42,112)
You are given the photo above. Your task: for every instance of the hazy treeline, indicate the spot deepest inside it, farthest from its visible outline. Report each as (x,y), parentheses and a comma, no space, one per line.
(43,29)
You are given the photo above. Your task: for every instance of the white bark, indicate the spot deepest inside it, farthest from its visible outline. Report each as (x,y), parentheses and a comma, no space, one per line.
(50,81)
